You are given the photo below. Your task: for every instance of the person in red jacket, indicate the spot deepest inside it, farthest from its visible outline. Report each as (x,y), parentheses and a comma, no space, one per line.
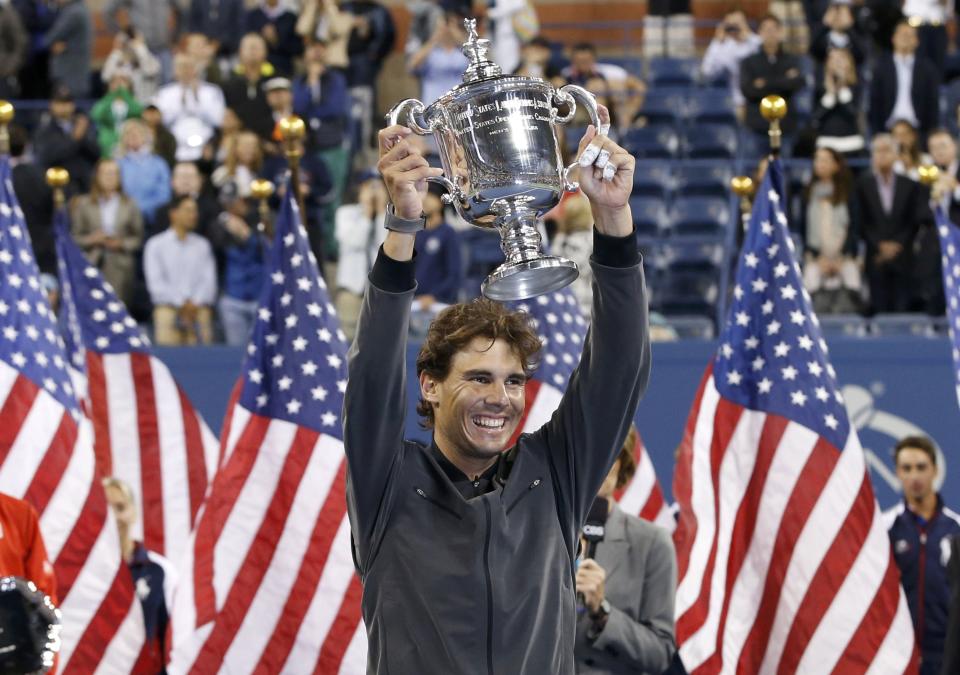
(22,552)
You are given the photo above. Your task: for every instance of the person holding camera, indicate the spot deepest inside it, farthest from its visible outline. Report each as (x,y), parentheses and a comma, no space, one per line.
(838,31)
(731,44)
(836,116)
(627,584)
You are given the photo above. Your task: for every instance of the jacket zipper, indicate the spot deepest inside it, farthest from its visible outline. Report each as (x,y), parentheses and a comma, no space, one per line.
(486,570)
(920,590)
(438,504)
(522,495)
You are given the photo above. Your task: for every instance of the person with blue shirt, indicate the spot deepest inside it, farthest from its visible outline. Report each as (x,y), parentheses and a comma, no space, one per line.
(440,62)
(145,176)
(439,270)
(920,528)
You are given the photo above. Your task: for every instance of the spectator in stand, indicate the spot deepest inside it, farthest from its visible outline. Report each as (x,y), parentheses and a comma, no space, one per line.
(244,92)
(13,50)
(836,116)
(830,275)
(276,24)
(904,85)
(203,51)
(279,93)
(359,232)
(116,107)
(243,250)
(187,181)
(371,41)
(439,63)
(36,201)
(22,551)
(909,156)
(153,575)
(220,20)
(930,17)
(181,275)
(323,21)
(920,528)
(886,211)
(626,91)
(215,152)
(424,17)
(70,41)
(537,60)
(770,71)
(242,165)
(838,31)
(439,267)
(149,23)
(191,109)
(145,176)
(131,55)
(574,241)
(505,16)
(164,144)
(37,17)
(66,138)
(108,227)
(946,191)
(731,44)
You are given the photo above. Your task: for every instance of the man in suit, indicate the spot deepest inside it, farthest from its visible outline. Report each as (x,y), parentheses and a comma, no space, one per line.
(945,193)
(770,71)
(904,85)
(627,587)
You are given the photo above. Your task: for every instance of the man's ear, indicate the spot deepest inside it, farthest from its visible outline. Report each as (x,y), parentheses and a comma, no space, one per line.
(428,389)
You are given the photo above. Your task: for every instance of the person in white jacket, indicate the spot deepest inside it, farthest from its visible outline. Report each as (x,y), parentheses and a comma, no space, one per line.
(732,43)
(192,109)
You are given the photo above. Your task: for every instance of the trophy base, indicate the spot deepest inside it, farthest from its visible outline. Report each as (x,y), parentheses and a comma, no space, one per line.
(529,278)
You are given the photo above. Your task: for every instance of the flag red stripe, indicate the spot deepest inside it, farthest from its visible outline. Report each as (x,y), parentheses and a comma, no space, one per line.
(54,463)
(228,483)
(15,409)
(228,420)
(830,575)
(151,472)
(654,504)
(86,531)
(113,609)
(724,425)
(814,476)
(745,524)
(99,413)
(870,634)
(258,556)
(341,632)
(686,530)
(308,576)
(196,457)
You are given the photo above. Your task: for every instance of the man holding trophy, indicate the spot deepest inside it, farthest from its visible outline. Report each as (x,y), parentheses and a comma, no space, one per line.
(466,547)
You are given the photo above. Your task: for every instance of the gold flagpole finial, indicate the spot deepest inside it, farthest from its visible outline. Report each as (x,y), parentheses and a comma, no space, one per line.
(58,178)
(774,108)
(261,190)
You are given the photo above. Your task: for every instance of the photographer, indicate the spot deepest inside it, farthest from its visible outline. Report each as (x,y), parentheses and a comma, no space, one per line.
(732,43)
(628,584)
(836,116)
(838,31)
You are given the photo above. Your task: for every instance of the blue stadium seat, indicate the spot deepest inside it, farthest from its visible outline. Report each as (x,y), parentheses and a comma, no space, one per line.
(903,325)
(699,216)
(689,292)
(707,180)
(652,179)
(653,142)
(670,71)
(711,141)
(692,327)
(571,139)
(842,325)
(657,110)
(482,254)
(677,97)
(706,255)
(631,64)
(711,105)
(650,217)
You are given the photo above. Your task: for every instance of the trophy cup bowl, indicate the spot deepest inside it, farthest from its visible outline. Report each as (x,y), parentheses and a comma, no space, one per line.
(497,138)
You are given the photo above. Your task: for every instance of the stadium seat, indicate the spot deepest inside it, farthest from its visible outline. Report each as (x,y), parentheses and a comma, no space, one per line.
(706,255)
(652,179)
(571,139)
(653,142)
(707,180)
(711,106)
(689,292)
(657,110)
(700,216)
(711,141)
(631,64)
(671,72)
(692,327)
(903,325)
(650,217)
(842,325)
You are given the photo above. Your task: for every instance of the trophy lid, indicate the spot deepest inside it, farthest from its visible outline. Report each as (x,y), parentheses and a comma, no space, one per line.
(475,49)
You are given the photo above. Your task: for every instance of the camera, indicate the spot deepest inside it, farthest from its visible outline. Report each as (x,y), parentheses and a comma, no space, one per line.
(731,28)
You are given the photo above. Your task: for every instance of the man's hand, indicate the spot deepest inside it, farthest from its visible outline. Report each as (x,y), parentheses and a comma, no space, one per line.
(58,47)
(606,178)
(113,243)
(80,126)
(404,170)
(591,579)
(888,250)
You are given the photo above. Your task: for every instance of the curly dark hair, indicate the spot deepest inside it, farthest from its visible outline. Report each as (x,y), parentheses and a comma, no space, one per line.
(457,326)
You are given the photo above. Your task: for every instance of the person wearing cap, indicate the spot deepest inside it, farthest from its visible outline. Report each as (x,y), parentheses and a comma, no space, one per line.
(70,41)
(274,21)
(116,107)
(66,138)
(279,94)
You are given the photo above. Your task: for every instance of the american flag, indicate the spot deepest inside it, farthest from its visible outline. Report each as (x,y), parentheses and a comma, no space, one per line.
(270,581)
(46,457)
(146,432)
(950,250)
(783,557)
(562,328)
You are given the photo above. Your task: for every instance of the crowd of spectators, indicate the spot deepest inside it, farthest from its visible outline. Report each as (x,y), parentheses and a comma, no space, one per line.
(163,140)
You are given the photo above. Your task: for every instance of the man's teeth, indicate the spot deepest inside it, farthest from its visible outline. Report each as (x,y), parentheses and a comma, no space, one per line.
(489,422)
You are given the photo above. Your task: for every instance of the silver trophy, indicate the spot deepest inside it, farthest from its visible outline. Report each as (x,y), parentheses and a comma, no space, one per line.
(501,161)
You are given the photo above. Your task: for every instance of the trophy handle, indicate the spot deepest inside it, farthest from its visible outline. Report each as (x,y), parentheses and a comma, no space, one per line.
(569,94)
(454,195)
(409,113)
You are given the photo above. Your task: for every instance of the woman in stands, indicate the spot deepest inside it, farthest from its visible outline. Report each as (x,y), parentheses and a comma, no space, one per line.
(243,162)
(831,276)
(836,116)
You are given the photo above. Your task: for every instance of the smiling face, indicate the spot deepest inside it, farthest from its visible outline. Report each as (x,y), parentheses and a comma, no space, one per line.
(477,407)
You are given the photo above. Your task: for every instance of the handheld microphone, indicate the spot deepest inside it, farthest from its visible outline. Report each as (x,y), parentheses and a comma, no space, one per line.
(595,527)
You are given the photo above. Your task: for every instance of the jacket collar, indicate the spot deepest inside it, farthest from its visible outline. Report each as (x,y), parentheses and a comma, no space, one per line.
(614,548)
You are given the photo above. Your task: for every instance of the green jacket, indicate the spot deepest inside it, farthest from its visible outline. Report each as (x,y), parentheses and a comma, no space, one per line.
(109,114)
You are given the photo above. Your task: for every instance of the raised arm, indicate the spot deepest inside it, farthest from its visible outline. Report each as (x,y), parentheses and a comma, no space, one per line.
(374,403)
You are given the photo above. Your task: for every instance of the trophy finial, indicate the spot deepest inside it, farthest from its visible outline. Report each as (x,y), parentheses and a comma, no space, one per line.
(471,26)
(475,49)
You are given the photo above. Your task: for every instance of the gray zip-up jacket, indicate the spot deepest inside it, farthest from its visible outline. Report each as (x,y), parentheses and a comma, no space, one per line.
(455,586)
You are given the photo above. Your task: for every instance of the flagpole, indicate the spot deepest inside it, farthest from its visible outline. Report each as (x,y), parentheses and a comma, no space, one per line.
(57,178)
(292,131)
(6,117)
(743,187)
(774,108)
(262,190)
